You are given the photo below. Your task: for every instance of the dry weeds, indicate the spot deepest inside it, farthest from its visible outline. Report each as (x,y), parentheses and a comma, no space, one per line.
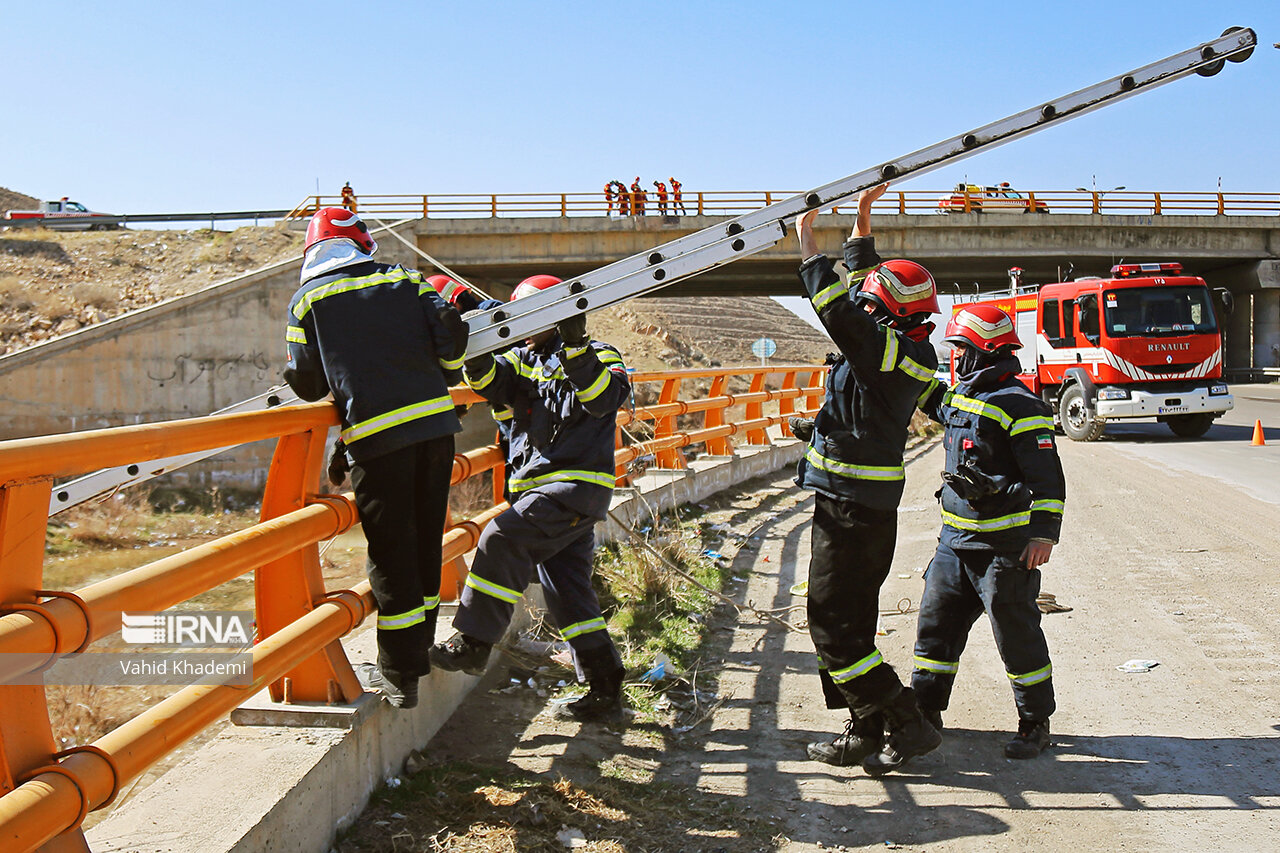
(465,808)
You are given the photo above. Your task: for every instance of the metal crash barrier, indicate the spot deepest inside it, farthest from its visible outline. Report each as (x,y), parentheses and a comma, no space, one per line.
(45,791)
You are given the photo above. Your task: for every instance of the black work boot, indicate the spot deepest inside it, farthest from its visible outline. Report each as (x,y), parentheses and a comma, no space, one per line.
(1031,740)
(910,734)
(399,693)
(461,652)
(603,699)
(934,718)
(862,736)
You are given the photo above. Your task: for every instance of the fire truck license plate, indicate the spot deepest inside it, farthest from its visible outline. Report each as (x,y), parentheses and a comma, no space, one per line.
(1173,410)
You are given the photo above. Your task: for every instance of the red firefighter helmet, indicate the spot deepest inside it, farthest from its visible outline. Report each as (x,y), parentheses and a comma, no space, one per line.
(532,285)
(451,291)
(330,223)
(984,327)
(901,287)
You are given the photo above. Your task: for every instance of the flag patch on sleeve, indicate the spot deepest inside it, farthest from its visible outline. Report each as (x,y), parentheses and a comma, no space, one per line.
(1044,442)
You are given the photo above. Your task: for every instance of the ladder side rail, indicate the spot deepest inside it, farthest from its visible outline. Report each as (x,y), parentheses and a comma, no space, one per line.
(500,327)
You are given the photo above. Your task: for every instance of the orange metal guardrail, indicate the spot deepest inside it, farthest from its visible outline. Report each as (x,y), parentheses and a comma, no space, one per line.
(45,793)
(1112,202)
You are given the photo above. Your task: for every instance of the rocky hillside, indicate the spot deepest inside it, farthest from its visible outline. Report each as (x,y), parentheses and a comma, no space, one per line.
(10,200)
(55,282)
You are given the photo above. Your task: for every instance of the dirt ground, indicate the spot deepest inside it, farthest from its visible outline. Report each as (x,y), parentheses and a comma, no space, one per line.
(1156,565)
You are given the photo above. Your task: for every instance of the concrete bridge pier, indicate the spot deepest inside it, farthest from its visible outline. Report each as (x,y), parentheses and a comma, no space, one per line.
(1253,330)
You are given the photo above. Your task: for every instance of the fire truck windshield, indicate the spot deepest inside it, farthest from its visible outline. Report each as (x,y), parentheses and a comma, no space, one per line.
(1139,311)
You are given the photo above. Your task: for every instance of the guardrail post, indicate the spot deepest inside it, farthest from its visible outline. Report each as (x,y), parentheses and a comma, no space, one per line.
(787,405)
(902,202)
(493,206)
(26,736)
(701,208)
(756,410)
(564,204)
(665,426)
(1157,205)
(1222,207)
(288,588)
(1097,202)
(424,206)
(715,418)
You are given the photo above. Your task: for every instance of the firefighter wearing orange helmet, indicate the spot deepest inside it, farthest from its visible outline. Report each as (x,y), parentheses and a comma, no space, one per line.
(1002,499)
(879,319)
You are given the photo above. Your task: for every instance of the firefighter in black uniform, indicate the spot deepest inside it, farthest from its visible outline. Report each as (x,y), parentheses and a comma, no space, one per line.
(1002,499)
(563,391)
(879,319)
(385,344)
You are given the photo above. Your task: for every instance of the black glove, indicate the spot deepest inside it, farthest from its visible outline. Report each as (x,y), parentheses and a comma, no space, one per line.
(478,366)
(338,464)
(801,428)
(573,330)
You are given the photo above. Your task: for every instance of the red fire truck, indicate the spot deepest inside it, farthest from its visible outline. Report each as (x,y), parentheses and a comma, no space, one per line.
(1145,342)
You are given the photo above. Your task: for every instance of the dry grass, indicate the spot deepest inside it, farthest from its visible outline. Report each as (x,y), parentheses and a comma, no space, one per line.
(17,297)
(465,808)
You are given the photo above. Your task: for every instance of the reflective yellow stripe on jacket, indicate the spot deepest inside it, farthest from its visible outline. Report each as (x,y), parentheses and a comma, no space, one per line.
(372,426)
(565,476)
(986,525)
(854,472)
(344,285)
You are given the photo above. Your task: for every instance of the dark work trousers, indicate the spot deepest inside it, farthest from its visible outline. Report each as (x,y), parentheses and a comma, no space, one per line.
(536,535)
(403,498)
(961,585)
(851,551)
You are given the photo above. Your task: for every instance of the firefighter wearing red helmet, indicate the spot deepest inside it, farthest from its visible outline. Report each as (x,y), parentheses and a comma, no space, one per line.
(879,319)
(563,390)
(383,342)
(1002,499)
(454,292)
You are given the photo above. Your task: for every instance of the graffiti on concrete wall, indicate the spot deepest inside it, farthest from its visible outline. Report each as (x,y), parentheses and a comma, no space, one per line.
(187,369)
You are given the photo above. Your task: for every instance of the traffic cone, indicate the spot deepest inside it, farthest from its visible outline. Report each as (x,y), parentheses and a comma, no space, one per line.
(1258,440)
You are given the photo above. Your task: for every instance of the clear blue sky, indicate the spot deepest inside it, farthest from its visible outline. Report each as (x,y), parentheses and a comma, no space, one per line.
(148,107)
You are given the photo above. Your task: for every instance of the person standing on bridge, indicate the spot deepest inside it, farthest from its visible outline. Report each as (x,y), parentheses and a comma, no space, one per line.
(348,197)
(879,319)
(637,197)
(564,391)
(383,342)
(677,198)
(608,198)
(662,197)
(1002,499)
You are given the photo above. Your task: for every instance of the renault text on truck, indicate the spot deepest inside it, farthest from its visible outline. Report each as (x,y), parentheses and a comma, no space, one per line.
(1145,342)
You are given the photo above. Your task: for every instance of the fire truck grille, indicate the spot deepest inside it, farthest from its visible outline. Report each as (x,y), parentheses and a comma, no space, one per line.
(1162,369)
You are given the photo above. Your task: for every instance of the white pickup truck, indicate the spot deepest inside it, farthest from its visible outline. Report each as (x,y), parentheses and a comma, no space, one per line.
(50,212)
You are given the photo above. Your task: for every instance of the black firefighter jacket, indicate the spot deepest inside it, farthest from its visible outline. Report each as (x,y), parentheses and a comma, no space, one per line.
(387,345)
(859,435)
(999,440)
(564,404)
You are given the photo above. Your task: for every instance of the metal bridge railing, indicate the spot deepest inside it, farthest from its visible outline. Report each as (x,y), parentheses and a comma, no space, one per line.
(515,205)
(46,792)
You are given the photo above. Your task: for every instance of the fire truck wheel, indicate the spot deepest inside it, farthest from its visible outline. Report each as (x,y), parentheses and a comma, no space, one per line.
(1190,426)
(1076,421)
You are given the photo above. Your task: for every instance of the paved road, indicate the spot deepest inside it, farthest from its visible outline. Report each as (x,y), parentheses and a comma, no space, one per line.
(1159,562)
(1224,453)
